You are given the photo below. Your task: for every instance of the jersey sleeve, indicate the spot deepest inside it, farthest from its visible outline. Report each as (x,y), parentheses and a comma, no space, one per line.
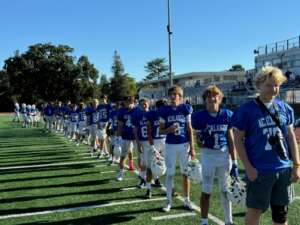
(239,119)
(290,115)
(161,114)
(195,121)
(229,117)
(120,115)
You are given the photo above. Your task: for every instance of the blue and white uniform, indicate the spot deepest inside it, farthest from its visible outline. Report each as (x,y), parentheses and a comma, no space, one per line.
(159,140)
(140,124)
(126,116)
(177,144)
(17,112)
(113,120)
(82,121)
(212,130)
(258,127)
(34,113)
(104,110)
(74,119)
(24,112)
(48,114)
(93,116)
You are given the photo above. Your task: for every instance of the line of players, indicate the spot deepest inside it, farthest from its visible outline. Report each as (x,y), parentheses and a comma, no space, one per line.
(27,114)
(162,134)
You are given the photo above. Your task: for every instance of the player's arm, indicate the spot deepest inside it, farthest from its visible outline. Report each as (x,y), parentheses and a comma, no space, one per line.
(294,153)
(149,133)
(191,138)
(241,150)
(232,149)
(166,130)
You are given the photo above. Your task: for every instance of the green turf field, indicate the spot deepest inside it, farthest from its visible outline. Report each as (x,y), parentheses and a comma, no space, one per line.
(45,179)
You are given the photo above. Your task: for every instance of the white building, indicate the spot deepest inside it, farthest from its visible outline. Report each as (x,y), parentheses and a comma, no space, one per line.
(283,54)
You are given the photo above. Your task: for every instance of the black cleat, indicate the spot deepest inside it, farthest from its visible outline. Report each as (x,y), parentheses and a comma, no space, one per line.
(148,194)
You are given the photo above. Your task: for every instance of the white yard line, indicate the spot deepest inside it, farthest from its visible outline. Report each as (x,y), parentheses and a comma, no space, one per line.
(79,208)
(173,216)
(128,189)
(197,208)
(46,165)
(112,171)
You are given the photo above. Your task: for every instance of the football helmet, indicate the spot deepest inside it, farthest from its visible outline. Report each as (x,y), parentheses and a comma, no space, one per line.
(194,171)
(236,190)
(158,167)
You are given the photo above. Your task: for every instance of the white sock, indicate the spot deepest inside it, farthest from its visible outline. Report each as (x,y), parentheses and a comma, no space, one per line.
(169,186)
(226,207)
(203,221)
(148,185)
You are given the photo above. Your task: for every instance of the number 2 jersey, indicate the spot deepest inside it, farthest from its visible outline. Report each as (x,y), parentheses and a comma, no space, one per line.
(258,127)
(213,130)
(176,115)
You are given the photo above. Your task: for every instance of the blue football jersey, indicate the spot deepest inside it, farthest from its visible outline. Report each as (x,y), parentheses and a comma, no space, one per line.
(153,118)
(140,122)
(126,116)
(82,115)
(59,110)
(104,110)
(176,115)
(49,110)
(66,110)
(258,127)
(74,115)
(93,115)
(113,119)
(33,112)
(213,131)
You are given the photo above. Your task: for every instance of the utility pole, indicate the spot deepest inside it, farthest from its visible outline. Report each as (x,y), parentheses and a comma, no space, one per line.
(170,50)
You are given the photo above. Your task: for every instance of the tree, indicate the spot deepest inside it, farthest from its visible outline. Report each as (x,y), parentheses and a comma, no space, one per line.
(47,73)
(156,69)
(117,67)
(122,86)
(237,67)
(104,86)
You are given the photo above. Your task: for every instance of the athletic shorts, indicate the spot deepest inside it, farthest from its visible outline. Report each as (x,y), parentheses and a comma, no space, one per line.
(269,189)
(127,146)
(214,164)
(82,127)
(174,151)
(73,126)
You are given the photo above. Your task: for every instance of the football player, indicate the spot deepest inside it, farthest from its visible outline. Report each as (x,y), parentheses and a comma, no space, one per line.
(125,135)
(156,142)
(175,122)
(213,127)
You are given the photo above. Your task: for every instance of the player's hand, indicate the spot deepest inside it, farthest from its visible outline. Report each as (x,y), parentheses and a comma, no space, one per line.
(234,172)
(173,128)
(192,153)
(295,175)
(251,173)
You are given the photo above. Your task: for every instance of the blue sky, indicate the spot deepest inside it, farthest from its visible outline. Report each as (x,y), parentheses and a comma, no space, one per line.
(208,35)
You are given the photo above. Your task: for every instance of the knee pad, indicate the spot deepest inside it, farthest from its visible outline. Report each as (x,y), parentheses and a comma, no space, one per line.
(279,213)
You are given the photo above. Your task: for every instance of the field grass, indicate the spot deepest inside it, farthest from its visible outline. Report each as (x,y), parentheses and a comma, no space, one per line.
(77,189)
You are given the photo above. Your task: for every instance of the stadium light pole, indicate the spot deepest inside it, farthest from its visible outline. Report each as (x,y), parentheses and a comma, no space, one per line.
(169,41)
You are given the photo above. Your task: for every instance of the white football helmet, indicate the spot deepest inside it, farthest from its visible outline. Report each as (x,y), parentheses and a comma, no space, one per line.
(158,167)
(117,151)
(23,105)
(194,171)
(101,134)
(236,190)
(33,106)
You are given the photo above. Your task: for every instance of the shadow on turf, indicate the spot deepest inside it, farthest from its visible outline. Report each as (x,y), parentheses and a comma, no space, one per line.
(47,177)
(53,168)
(91,192)
(72,184)
(66,206)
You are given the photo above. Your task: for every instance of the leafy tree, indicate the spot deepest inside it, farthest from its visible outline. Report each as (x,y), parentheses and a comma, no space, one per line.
(48,72)
(156,69)
(117,66)
(237,67)
(122,86)
(104,86)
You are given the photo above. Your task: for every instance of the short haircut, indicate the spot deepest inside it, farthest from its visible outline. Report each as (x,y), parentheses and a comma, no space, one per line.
(177,89)
(212,90)
(144,100)
(269,73)
(160,103)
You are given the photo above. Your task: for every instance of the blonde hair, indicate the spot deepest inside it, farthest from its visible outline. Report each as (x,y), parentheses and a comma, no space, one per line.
(212,90)
(177,89)
(269,73)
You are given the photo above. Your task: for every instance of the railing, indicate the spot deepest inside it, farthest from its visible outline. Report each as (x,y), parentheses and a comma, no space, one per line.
(278,46)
